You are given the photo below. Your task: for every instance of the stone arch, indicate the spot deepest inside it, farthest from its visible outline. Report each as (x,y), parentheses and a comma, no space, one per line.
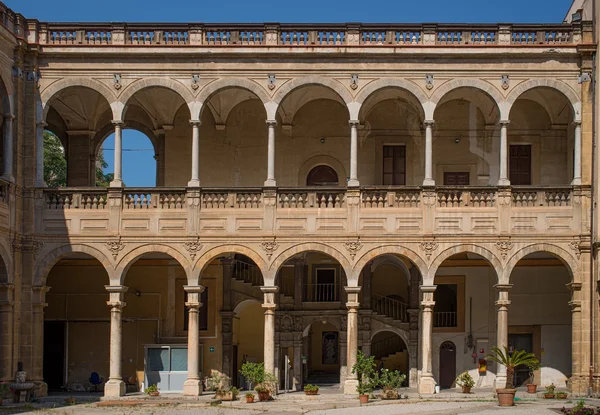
(288,253)
(394,261)
(51,90)
(453,84)
(225,83)
(109,129)
(560,86)
(403,84)
(167,83)
(45,264)
(296,83)
(562,254)
(129,259)
(333,320)
(390,249)
(401,333)
(459,249)
(208,256)
(321,159)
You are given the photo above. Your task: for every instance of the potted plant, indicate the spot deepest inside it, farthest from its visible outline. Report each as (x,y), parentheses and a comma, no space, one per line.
(365,370)
(264,382)
(311,389)
(249,397)
(221,384)
(465,381)
(533,366)
(391,381)
(549,394)
(561,395)
(152,390)
(506,395)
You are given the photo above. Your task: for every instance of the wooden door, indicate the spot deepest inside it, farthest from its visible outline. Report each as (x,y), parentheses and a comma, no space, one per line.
(456,178)
(54,354)
(447,365)
(520,165)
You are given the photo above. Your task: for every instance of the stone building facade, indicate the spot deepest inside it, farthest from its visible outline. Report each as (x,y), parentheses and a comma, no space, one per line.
(420,192)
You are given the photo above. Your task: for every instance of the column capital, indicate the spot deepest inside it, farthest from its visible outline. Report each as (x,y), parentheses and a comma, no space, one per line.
(576,123)
(193,296)
(353,293)
(427,288)
(116,294)
(429,123)
(269,293)
(354,123)
(575,306)
(118,123)
(504,123)
(194,123)
(271,123)
(41,124)
(574,286)
(9,117)
(503,287)
(39,294)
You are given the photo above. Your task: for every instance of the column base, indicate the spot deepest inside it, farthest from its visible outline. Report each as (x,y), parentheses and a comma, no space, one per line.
(114,388)
(270,183)
(192,387)
(427,385)
(503,182)
(576,181)
(428,182)
(194,183)
(10,178)
(117,183)
(41,389)
(353,183)
(350,386)
(500,382)
(579,385)
(40,183)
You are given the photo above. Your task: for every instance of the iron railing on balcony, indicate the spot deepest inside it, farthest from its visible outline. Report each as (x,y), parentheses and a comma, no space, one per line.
(321,293)
(247,272)
(389,307)
(445,319)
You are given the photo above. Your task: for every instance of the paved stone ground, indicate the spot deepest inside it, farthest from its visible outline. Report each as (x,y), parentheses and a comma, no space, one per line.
(330,405)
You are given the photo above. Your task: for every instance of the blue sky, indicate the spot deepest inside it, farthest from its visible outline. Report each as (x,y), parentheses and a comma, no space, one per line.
(139,167)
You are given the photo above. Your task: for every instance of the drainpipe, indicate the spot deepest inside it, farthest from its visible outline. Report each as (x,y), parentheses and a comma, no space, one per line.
(595,185)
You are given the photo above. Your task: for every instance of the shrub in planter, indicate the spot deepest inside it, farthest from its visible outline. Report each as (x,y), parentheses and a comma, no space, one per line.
(366,373)
(249,397)
(264,382)
(465,381)
(549,394)
(581,409)
(311,389)
(221,384)
(152,390)
(506,395)
(561,395)
(533,366)
(391,381)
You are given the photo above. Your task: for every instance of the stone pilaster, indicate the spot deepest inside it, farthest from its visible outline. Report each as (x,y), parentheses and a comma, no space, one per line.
(193,384)
(115,387)
(351,382)
(227,342)
(300,270)
(298,378)
(367,279)
(578,383)
(413,347)
(427,382)
(6,331)
(502,330)
(37,339)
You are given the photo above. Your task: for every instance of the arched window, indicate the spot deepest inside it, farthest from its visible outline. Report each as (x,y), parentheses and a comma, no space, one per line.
(322,176)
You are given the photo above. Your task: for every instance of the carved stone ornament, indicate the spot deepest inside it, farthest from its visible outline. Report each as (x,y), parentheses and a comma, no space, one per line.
(504,247)
(115,247)
(365,323)
(298,324)
(269,247)
(428,247)
(353,247)
(227,325)
(26,246)
(287,323)
(193,247)
(574,245)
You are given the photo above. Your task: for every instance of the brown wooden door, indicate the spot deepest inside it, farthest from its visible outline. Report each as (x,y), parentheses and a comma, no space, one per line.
(520,165)
(456,178)
(394,165)
(447,365)
(322,176)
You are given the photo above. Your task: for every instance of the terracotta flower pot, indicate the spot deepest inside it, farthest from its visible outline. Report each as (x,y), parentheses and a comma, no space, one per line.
(249,399)
(506,397)
(466,389)
(561,396)
(531,388)
(364,398)
(389,394)
(154,393)
(263,396)
(311,392)
(549,395)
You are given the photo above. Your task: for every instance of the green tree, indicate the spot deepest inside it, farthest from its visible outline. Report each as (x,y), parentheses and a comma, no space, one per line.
(55,163)
(102,179)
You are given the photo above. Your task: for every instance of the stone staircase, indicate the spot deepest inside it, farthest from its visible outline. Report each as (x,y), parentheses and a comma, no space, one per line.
(323,379)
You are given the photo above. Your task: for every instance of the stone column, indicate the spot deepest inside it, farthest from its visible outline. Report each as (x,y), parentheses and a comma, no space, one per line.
(427,382)
(502,329)
(351,381)
(8,148)
(39,154)
(227,342)
(270,305)
(503,181)
(299,269)
(195,180)
(193,385)
(270,182)
(6,331)
(37,321)
(366,286)
(577,153)
(429,181)
(354,153)
(298,364)
(577,383)
(413,348)
(118,174)
(115,387)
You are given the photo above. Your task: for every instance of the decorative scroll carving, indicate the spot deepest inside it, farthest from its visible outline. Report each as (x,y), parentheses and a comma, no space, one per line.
(26,246)
(269,247)
(193,247)
(574,245)
(428,247)
(353,247)
(115,247)
(504,247)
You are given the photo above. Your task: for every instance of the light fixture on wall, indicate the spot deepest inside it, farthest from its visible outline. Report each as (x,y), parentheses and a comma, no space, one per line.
(138,293)
(323,140)
(457,140)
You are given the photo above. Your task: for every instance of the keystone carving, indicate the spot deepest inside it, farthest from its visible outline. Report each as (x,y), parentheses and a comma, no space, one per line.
(504,247)
(428,247)
(269,247)
(193,247)
(574,245)
(115,247)
(353,247)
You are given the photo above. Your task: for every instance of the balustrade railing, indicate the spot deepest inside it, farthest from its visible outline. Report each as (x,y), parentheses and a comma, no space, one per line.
(389,307)
(311,198)
(445,319)
(154,199)
(76,198)
(321,293)
(450,197)
(405,197)
(227,199)
(542,197)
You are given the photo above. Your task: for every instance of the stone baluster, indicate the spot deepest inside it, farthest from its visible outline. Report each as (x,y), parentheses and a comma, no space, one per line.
(118,174)
(429,181)
(351,382)
(115,387)
(39,154)
(195,180)
(8,148)
(271,154)
(6,328)
(193,385)
(503,181)
(502,329)
(427,382)
(354,153)
(269,349)
(577,155)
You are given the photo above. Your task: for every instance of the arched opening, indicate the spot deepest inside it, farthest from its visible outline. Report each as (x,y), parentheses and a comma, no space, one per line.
(464,314)
(321,342)
(139,160)
(466,139)
(539,318)
(447,365)
(541,138)
(55,161)
(390,352)
(322,175)
(76,325)
(248,338)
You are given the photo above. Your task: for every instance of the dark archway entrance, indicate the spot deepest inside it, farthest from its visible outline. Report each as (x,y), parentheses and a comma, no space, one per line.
(322,176)
(447,365)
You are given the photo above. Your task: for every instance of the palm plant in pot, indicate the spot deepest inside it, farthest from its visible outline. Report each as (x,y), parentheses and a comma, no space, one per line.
(366,373)
(533,366)
(264,382)
(465,381)
(506,395)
